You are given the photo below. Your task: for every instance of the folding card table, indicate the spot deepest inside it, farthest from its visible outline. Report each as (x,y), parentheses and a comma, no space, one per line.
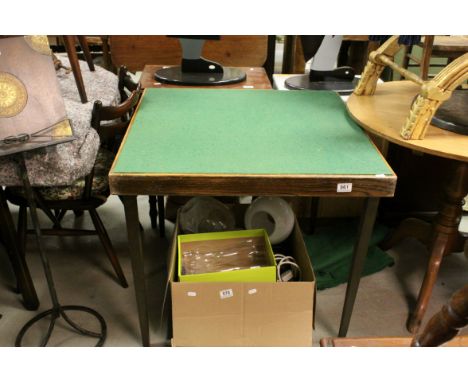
(247,142)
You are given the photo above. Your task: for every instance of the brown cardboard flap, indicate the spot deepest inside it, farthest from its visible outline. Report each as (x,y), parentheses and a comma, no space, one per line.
(172,254)
(278,314)
(202,318)
(194,299)
(254,314)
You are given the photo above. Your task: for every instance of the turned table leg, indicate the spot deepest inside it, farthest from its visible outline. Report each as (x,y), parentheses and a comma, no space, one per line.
(446,324)
(444,238)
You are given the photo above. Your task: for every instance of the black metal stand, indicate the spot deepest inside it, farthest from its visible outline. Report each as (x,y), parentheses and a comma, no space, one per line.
(452,115)
(57,310)
(341,80)
(175,76)
(196,70)
(303,82)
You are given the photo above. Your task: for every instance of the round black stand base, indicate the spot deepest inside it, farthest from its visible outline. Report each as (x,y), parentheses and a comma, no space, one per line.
(452,115)
(302,83)
(58,312)
(174,75)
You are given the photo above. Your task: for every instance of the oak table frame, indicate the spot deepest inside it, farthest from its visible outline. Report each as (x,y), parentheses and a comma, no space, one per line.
(128,185)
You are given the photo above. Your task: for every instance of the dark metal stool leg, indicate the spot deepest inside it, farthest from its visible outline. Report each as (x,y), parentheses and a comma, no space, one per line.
(57,310)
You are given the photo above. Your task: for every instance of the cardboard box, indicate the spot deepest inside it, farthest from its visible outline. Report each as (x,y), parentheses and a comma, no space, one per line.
(265,273)
(244,314)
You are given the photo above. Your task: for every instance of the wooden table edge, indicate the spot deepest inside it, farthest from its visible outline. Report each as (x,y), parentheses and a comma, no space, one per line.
(127,133)
(251,184)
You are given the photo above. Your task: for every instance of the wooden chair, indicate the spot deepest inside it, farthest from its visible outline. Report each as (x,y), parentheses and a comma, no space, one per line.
(84,194)
(70,46)
(8,238)
(126,84)
(441,328)
(449,47)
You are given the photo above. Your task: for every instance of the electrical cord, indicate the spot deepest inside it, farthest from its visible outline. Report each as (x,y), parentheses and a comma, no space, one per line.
(291,274)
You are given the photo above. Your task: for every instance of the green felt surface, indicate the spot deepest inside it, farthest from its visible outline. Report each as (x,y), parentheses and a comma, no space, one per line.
(246,132)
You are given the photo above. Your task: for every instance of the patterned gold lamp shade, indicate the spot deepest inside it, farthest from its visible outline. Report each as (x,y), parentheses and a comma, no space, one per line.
(13,95)
(32,110)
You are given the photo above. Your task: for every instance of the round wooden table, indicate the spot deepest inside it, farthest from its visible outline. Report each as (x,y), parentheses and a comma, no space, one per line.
(383,115)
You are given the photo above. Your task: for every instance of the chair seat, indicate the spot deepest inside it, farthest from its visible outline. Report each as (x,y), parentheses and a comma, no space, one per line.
(100,187)
(450,44)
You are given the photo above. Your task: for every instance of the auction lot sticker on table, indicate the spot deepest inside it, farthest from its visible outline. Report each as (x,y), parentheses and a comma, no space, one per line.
(32,110)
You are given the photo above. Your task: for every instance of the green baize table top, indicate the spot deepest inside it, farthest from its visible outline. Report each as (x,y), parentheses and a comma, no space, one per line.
(227,131)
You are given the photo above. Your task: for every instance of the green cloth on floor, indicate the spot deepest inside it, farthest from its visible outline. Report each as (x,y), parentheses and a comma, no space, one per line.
(331,247)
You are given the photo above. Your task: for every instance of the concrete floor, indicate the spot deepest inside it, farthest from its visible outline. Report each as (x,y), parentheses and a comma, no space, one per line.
(83,276)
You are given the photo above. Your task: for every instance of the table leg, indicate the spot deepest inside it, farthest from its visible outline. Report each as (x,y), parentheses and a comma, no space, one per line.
(359,256)
(136,254)
(444,238)
(161,217)
(152,210)
(23,277)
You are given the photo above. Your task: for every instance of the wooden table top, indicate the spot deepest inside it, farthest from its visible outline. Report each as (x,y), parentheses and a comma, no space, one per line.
(384,113)
(256,79)
(247,142)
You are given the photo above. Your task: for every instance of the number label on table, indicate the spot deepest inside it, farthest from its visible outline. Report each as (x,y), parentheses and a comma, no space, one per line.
(226,293)
(344,187)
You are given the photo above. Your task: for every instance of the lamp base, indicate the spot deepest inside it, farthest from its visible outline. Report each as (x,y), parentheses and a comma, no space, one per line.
(56,313)
(174,75)
(302,82)
(452,115)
